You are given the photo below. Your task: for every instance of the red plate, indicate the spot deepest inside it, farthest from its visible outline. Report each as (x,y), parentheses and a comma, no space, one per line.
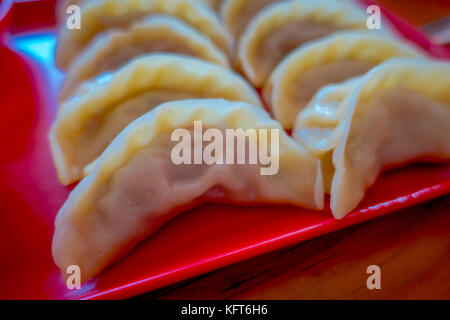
(198,241)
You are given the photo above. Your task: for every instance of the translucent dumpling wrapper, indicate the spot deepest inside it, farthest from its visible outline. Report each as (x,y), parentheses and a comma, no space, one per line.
(237,14)
(154,34)
(325,109)
(284,26)
(136,187)
(87,123)
(315,125)
(98,16)
(333,59)
(398,113)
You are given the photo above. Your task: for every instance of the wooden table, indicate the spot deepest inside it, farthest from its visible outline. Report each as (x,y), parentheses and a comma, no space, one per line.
(412,248)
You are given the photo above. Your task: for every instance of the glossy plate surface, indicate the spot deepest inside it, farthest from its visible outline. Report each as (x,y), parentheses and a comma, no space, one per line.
(198,241)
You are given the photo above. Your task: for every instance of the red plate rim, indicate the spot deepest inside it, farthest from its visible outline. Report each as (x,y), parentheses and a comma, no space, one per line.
(5,9)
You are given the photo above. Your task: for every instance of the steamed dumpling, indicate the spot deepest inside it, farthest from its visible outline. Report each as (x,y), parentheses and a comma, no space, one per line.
(135,187)
(86,124)
(98,16)
(397,113)
(284,26)
(333,59)
(154,34)
(237,14)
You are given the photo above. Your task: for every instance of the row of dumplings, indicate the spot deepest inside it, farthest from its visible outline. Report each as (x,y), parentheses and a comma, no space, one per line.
(356,102)
(252,36)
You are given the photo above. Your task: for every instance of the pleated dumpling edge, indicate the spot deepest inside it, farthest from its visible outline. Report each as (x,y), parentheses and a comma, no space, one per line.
(285,25)
(156,33)
(86,124)
(100,15)
(331,59)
